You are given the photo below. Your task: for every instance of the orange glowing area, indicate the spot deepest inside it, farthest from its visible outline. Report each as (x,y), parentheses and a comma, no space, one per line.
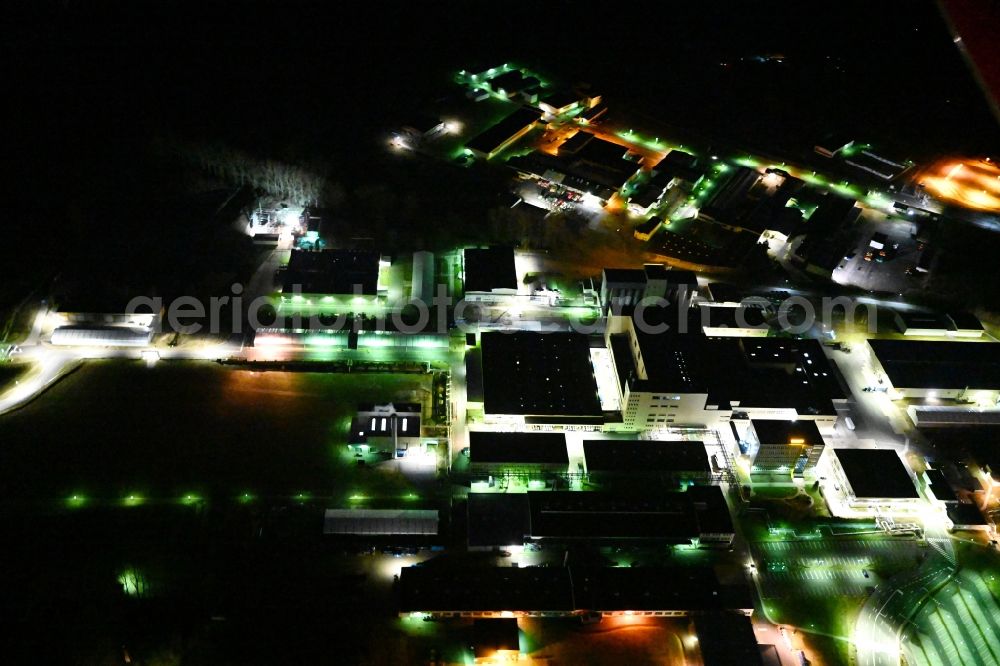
(971,184)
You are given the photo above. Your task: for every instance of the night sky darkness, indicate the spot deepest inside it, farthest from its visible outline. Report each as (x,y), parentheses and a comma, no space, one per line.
(95,90)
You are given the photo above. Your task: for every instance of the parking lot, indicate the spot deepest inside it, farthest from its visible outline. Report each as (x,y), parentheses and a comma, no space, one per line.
(873,272)
(823,567)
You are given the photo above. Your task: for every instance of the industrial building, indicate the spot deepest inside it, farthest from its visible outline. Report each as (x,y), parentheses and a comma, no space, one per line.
(874,478)
(726,638)
(648,229)
(442,592)
(676,169)
(101,336)
(498,520)
(621,462)
(730,201)
(926,324)
(696,516)
(495,640)
(381,522)
(488,275)
(396,427)
(508,82)
(626,287)
(504,134)
(565,103)
(539,381)
(340,272)
(527,455)
(966,325)
(744,320)
(669,379)
(583,163)
(933,324)
(833,144)
(422,280)
(938,370)
(778,449)
(829,236)
(89,321)
(877,165)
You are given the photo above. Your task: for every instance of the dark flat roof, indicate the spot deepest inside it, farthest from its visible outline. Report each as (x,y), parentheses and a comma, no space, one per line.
(655,588)
(498,519)
(965,514)
(940,487)
(489,268)
(651,457)
(488,140)
(511,81)
(942,365)
(445,588)
(474,374)
(517,447)
(540,374)
(755,372)
(332,272)
(876,473)
(533,589)
(561,98)
(776,431)
(625,275)
(727,638)
(833,211)
(575,142)
(966,321)
(924,320)
(677,276)
(733,194)
(725,316)
(646,194)
(725,292)
(673,517)
(493,634)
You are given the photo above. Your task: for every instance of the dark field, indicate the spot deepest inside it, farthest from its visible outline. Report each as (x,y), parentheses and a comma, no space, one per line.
(113,429)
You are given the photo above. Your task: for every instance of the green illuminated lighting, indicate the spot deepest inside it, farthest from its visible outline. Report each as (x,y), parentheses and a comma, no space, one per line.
(357,498)
(76,501)
(132,582)
(133,500)
(322,341)
(246,497)
(190,499)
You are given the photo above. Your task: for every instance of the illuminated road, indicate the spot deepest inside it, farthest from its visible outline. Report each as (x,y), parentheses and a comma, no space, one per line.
(889,608)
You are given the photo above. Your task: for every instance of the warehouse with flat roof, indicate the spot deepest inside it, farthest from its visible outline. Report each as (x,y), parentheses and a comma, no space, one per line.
(539,379)
(497,520)
(447,591)
(505,133)
(873,477)
(933,369)
(610,460)
(696,516)
(524,454)
(489,274)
